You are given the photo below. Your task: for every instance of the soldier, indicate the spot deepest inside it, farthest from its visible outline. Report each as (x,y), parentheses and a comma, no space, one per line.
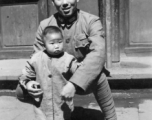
(84,39)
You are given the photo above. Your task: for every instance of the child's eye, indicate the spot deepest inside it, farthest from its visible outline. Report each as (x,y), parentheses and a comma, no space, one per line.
(60,41)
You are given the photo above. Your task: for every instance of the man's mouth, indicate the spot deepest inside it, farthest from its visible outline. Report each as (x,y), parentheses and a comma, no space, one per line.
(66,10)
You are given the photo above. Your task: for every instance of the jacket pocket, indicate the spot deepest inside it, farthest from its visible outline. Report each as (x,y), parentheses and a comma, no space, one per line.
(81,41)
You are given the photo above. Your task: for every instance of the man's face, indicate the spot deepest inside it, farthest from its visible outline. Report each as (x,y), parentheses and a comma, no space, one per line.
(53,43)
(65,7)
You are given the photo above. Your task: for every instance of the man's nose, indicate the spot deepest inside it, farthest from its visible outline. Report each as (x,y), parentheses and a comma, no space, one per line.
(65,3)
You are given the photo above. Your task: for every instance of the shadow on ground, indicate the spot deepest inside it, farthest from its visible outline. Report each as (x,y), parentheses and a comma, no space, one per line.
(81,113)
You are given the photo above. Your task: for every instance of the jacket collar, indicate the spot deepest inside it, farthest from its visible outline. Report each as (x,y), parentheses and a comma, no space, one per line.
(66,22)
(53,56)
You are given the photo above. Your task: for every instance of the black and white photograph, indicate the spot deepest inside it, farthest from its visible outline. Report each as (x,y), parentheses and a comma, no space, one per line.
(75,60)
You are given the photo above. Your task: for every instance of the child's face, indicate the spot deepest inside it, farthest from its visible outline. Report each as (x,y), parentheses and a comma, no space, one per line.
(53,43)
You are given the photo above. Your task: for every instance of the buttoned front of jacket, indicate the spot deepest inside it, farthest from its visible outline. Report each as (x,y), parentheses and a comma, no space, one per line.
(49,72)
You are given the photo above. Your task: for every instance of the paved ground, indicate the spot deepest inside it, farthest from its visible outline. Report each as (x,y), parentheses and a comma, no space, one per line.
(130,105)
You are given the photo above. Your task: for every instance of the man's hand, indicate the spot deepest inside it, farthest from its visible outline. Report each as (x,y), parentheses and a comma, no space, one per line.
(68,91)
(33,90)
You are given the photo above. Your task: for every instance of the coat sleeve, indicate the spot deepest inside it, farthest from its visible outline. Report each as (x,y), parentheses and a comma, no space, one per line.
(71,64)
(74,65)
(28,74)
(94,61)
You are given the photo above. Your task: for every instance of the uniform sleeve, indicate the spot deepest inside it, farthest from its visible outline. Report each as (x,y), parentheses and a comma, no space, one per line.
(94,60)
(74,65)
(28,74)
(38,44)
(71,64)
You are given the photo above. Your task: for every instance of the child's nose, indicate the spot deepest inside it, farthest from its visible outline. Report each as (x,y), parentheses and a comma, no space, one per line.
(56,45)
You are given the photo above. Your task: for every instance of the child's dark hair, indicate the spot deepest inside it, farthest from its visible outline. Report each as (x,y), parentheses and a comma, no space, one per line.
(50,30)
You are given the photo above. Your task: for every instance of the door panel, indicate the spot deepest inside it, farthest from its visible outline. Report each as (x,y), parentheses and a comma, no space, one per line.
(18,24)
(139,41)
(14,2)
(140,21)
(17,30)
(90,6)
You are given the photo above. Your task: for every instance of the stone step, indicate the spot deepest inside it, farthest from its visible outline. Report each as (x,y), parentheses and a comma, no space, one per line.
(130,72)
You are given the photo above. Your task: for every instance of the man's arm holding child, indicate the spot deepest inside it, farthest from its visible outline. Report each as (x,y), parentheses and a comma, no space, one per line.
(70,88)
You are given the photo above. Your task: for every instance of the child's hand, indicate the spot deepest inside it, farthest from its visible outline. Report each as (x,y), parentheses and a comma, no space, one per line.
(68,91)
(34,89)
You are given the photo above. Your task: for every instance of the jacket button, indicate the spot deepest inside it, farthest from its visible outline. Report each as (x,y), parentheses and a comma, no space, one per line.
(49,76)
(67,40)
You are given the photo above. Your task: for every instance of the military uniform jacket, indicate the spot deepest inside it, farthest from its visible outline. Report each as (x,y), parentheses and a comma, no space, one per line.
(84,39)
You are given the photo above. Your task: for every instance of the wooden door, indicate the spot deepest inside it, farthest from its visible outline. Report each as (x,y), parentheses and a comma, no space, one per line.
(19,20)
(139,41)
